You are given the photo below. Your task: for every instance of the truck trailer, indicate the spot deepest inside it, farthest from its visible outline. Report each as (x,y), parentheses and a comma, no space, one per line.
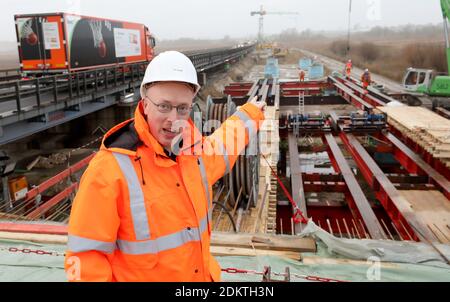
(54,43)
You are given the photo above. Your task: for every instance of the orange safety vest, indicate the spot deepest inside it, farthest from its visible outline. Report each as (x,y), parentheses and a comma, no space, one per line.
(142,215)
(366,79)
(348,68)
(302,75)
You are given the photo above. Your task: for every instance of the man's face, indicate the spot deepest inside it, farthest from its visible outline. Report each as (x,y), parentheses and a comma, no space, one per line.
(162,124)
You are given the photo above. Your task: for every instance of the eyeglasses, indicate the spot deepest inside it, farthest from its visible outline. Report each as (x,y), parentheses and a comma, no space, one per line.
(182,109)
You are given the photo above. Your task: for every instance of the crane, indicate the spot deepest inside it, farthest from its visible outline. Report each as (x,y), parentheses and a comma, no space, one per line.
(261,14)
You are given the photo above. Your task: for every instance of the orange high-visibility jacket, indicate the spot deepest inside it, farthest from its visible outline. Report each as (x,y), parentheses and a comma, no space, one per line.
(140,215)
(349,66)
(366,78)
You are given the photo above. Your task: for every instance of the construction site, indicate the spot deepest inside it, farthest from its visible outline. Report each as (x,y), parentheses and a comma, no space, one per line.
(346,180)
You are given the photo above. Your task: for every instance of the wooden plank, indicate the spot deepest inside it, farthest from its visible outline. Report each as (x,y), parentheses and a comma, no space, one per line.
(417,117)
(316,260)
(426,128)
(433,209)
(37,228)
(238,251)
(264,241)
(222,244)
(38,238)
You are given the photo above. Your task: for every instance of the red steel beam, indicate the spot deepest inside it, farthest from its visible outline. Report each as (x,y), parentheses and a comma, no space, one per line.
(322,177)
(348,196)
(359,91)
(415,164)
(358,198)
(235,92)
(57,178)
(397,207)
(324,186)
(298,192)
(349,95)
(437,164)
(42,209)
(306,84)
(296,91)
(238,89)
(243,84)
(386,98)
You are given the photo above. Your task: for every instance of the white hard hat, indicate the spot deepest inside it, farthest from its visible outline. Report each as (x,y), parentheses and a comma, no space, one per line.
(170,66)
(366,70)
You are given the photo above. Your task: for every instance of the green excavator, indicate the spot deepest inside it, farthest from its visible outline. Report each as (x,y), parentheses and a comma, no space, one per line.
(428,81)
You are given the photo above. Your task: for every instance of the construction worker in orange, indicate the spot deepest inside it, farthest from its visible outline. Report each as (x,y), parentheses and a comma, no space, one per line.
(348,69)
(302,75)
(143,209)
(366,79)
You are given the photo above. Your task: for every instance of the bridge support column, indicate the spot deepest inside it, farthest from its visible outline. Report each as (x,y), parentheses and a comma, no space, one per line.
(202,78)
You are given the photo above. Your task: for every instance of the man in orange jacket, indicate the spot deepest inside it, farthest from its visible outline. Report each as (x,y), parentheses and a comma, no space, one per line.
(302,75)
(348,69)
(144,206)
(366,79)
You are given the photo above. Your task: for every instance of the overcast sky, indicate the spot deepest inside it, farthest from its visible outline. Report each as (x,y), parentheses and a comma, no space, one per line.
(170,19)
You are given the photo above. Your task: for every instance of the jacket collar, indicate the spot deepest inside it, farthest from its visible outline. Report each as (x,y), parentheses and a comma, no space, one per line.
(190,137)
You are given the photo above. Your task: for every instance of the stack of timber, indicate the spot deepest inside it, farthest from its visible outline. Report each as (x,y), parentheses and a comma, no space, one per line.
(222,243)
(426,128)
(270,141)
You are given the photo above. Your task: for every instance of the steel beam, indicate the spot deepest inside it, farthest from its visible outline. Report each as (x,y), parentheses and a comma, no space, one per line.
(322,177)
(42,209)
(415,164)
(359,91)
(58,178)
(362,204)
(349,95)
(324,186)
(313,100)
(296,91)
(396,206)
(298,192)
(436,163)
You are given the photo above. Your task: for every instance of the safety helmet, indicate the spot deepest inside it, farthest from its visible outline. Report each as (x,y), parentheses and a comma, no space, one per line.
(349,61)
(170,66)
(366,70)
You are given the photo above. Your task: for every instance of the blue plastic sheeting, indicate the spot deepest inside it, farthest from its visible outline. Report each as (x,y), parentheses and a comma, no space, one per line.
(30,267)
(316,71)
(305,63)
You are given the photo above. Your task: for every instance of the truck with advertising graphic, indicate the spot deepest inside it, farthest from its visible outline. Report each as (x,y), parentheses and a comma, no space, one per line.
(62,43)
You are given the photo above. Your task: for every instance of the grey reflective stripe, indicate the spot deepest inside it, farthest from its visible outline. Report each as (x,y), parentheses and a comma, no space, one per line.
(248,122)
(79,244)
(210,214)
(204,224)
(204,180)
(225,156)
(137,204)
(163,243)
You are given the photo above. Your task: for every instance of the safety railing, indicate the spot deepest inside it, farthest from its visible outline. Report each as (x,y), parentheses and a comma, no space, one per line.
(53,89)
(64,87)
